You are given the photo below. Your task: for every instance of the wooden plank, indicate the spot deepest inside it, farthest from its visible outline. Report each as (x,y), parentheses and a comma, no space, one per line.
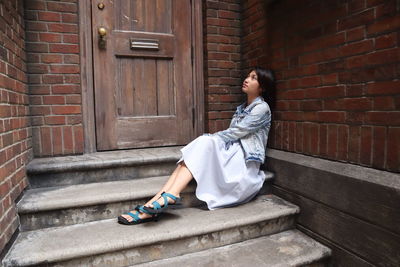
(340,256)
(125,87)
(370,242)
(372,202)
(150,87)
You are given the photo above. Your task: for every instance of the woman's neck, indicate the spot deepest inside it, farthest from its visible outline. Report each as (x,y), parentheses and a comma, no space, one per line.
(250,99)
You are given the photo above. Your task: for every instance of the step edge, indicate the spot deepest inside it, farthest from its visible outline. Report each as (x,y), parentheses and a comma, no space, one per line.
(24,208)
(288,211)
(324,251)
(92,161)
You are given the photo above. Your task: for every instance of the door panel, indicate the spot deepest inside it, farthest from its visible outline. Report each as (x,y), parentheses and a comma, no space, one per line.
(143,75)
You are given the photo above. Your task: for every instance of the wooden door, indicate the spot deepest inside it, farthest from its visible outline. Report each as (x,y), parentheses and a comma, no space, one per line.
(142,73)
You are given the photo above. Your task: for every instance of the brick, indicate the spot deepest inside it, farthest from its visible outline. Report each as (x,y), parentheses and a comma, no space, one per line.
(343,137)
(355,48)
(393,149)
(55,120)
(57,140)
(385,41)
(69,18)
(384,25)
(356,20)
(323,140)
(332,141)
(383,88)
(64,69)
(366,145)
(78,139)
(358,103)
(53,99)
(68,140)
(384,103)
(65,110)
(50,37)
(46,141)
(383,118)
(64,48)
(62,7)
(52,79)
(331,91)
(383,56)
(63,28)
(49,16)
(331,116)
(378,147)
(51,58)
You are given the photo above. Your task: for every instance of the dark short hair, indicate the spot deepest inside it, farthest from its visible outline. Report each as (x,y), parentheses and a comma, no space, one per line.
(266,79)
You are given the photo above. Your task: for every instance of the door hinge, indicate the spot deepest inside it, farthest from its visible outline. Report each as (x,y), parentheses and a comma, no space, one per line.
(193,117)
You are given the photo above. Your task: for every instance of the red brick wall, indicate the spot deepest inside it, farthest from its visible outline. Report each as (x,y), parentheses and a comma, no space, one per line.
(338,64)
(52,44)
(222,62)
(15,135)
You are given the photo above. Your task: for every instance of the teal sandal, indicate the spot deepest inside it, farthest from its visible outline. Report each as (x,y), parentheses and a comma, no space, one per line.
(158,209)
(136,218)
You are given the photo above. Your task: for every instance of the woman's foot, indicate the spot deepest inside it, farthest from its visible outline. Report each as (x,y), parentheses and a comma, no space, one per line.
(160,200)
(140,214)
(148,204)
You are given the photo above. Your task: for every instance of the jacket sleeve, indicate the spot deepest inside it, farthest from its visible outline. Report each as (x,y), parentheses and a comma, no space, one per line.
(258,117)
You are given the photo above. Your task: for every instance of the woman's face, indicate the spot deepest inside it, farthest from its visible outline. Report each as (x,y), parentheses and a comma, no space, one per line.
(250,85)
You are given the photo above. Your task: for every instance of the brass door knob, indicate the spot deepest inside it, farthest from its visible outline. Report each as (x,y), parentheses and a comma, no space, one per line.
(102,31)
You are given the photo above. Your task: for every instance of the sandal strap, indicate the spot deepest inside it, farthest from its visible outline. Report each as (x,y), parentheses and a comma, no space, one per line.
(142,209)
(169,195)
(133,215)
(156,205)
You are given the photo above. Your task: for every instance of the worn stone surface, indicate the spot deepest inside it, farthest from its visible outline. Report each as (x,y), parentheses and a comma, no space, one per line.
(107,243)
(288,248)
(103,166)
(379,177)
(67,205)
(72,204)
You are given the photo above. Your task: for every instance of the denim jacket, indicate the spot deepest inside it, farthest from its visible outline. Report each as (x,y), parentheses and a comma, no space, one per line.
(249,126)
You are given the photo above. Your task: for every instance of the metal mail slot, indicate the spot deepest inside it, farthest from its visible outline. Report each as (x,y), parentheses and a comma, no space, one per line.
(151,44)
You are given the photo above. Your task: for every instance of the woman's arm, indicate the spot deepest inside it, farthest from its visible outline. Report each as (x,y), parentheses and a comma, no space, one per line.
(258,117)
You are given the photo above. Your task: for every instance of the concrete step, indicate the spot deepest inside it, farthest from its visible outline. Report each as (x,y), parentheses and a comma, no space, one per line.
(288,248)
(72,204)
(180,231)
(103,166)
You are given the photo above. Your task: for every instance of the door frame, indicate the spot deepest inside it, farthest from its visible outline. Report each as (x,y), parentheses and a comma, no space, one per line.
(87,74)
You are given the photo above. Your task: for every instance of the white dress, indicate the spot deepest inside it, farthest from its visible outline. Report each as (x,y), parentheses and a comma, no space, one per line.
(223,177)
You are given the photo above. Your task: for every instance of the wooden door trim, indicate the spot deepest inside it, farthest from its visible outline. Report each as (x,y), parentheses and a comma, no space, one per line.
(87,89)
(198,77)
(87,75)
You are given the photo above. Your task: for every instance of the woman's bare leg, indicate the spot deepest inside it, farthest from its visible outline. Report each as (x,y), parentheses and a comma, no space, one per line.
(156,196)
(169,187)
(180,182)
(166,186)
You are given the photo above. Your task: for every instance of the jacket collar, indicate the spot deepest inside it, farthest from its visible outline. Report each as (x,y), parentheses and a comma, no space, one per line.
(242,108)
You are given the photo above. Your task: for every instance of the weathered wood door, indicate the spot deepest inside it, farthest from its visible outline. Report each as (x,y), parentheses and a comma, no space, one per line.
(142,73)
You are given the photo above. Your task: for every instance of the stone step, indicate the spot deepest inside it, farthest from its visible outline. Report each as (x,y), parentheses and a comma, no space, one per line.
(103,166)
(180,231)
(72,204)
(287,248)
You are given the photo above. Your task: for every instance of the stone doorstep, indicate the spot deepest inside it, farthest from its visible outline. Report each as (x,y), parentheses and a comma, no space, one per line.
(288,248)
(102,242)
(80,195)
(104,160)
(67,205)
